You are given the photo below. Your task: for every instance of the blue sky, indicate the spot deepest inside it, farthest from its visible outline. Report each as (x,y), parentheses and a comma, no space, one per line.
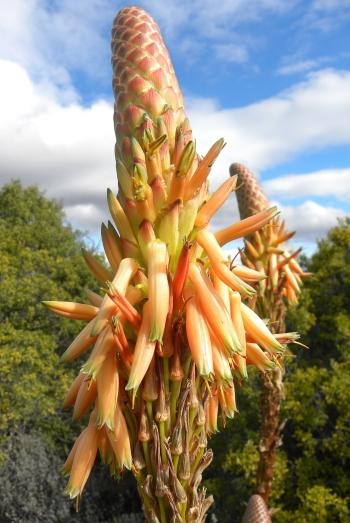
(271,76)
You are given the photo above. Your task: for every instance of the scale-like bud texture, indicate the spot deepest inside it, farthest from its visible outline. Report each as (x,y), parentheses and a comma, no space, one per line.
(144,80)
(250,196)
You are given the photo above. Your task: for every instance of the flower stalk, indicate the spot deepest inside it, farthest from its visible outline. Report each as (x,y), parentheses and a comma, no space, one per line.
(169,330)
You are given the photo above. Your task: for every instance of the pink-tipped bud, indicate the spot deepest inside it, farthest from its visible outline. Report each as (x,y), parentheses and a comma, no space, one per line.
(145,236)
(159,193)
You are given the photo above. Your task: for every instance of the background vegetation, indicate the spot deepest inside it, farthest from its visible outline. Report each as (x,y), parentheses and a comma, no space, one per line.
(40,259)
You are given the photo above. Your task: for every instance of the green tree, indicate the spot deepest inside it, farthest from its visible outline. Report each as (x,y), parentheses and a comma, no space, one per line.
(311,481)
(40,259)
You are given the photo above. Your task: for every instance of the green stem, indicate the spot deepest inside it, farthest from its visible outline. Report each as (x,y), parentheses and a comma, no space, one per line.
(166,376)
(193,412)
(162,438)
(149,407)
(176,462)
(174,396)
(162,510)
(195,465)
(145,447)
(187,365)
(130,421)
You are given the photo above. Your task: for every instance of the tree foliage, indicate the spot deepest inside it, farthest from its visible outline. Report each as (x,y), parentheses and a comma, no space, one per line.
(40,259)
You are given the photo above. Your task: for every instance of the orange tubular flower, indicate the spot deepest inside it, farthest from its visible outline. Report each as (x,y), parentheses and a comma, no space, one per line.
(180,277)
(215,202)
(247,274)
(203,170)
(214,310)
(105,343)
(96,268)
(67,466)
(107,391)
(258,331)
(75,311)
(158,288)
(126,270)
(221,365)
(82,342)
(237,320)
(85,398)
(143,353)
(198,338)
(259,358)
(119,440)
(84,458)
(111,247)
(206,239)
(230,399)
(212,413)
(245,227)
(73,390)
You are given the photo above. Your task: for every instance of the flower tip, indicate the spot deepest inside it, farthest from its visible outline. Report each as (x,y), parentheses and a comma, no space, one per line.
(72,492)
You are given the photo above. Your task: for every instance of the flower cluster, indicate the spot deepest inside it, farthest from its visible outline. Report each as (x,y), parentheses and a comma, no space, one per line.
(265,250)
(172,330)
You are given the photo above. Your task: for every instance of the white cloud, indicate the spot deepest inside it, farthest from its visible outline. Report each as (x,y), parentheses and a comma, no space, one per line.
(326,15)
(310,115)
(52,40)
(326,182)
(68,149)
(234,53)
(203,18)
(300,66)
(310,220)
